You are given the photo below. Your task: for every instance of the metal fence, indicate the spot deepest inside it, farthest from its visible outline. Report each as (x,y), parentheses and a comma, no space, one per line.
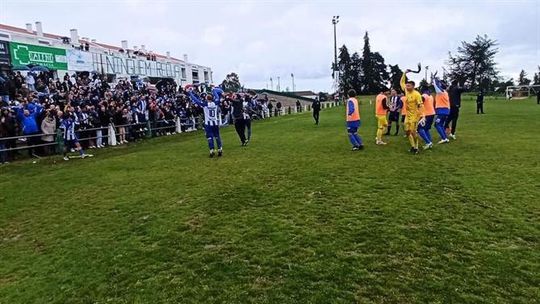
(112,135)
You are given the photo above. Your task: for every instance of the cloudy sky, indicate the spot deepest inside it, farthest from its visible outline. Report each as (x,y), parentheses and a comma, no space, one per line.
(271,38)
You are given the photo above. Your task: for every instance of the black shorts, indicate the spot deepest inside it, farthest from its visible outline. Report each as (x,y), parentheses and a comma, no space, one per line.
(393,116)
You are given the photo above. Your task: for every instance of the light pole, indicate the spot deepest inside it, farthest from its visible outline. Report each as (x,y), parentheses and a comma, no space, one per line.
(271,84)
(278,88)
(293,86)
(335,21)
(427,69)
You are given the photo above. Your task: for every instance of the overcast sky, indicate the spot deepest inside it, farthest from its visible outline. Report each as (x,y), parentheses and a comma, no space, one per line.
(271,38)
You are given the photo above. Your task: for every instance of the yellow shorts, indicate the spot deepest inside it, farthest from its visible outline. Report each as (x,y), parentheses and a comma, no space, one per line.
(382,122)
(411,123)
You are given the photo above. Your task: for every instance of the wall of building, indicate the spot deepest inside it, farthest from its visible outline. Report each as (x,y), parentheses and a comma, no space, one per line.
(110,60)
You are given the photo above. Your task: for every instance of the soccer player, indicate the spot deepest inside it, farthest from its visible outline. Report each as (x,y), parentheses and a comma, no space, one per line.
(454,92)
(353,121)
(442,109)
(395,105)
(381,109)
(211,122)
(415,111)
(68,122)
(429,114)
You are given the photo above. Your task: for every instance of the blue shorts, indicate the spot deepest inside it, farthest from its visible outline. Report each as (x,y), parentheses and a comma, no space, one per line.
(211,131)
(352,126)
(429,122)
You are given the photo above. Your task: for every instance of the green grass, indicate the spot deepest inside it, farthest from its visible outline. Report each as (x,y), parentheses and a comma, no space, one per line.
(294,218)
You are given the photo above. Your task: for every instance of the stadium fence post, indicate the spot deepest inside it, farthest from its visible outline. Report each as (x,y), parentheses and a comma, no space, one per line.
(59,141)
(178,125)
(112,136)
(148,129)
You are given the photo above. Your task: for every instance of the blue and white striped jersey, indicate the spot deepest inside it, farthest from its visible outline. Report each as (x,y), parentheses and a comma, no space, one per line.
(68,124)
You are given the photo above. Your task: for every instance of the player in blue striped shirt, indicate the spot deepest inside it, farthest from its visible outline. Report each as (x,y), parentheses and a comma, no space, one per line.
(211,119)
(67,123)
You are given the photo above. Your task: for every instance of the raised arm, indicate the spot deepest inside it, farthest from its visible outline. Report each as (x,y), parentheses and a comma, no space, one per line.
(217,93)
(438,85)
(402,82)
(195,99)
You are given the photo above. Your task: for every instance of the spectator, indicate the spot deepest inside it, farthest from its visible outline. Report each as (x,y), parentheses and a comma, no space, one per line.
(27,117)
(30,81)
(48,128)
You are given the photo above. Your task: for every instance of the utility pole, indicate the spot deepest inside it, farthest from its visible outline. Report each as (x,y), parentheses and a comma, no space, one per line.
(271,84)
(278,85)
(335,21)
(293,86)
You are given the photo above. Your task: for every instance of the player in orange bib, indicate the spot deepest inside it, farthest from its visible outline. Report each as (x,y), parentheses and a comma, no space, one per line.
(381,110)
(429,113)
(353,121)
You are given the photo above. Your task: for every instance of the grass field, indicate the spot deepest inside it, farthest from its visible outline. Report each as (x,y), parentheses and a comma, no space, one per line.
(294,218)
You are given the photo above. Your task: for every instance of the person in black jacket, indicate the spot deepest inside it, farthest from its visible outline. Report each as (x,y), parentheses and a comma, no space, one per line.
(237,105)
(316,109)
(454,92)
(480,102)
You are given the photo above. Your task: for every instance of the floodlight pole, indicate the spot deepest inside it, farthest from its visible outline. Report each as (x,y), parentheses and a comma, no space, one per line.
(335,70)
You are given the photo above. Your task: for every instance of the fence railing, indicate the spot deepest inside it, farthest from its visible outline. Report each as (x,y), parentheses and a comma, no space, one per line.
(111,133)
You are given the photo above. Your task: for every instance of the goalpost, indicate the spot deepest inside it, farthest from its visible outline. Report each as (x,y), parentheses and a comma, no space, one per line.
(522,91)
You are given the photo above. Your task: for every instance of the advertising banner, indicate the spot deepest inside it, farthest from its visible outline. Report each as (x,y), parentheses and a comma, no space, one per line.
(4,53)
(79,61)
(24,54)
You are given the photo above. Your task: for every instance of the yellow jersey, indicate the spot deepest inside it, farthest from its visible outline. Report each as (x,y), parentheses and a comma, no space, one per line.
(414,104)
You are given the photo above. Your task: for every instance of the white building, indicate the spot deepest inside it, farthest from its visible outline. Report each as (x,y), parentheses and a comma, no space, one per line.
(71,53)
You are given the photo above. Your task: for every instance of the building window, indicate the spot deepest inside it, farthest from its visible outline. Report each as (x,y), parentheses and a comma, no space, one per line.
(45,42)
(195,75)
(183,71)
(206,78)
(6,36)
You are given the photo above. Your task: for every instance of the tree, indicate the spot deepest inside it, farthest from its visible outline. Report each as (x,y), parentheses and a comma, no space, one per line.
(536,79)
(356,72)
(231,83)
(424,85)
(474,63)
(523,80)
(395,77)
(345,70)
(374,73)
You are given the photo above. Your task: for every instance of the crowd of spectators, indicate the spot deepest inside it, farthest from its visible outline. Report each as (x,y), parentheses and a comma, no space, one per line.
(33,105)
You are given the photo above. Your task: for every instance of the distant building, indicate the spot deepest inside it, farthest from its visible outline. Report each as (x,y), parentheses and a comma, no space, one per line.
(61,53)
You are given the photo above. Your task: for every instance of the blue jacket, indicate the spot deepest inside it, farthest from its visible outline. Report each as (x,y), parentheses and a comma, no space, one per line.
(29,123)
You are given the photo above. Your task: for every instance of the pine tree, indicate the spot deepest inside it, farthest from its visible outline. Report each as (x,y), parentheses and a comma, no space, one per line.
(474,62)
(523,80)
(345,69)
(375,76)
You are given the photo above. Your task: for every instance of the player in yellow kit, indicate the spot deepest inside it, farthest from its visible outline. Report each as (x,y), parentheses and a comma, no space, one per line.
(415,111)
